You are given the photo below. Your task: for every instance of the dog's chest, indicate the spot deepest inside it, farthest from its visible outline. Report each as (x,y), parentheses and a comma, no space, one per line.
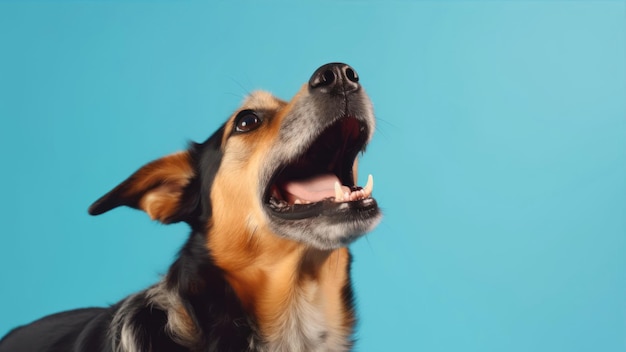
(304,326)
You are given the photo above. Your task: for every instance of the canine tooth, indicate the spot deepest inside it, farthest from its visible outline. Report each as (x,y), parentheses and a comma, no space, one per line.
(338,192)
(369,186)
(297,201)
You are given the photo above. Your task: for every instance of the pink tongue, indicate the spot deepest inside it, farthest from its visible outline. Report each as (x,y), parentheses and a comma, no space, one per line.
(312,189)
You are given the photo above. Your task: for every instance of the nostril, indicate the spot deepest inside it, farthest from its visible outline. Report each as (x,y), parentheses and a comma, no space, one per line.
(351,75)
(323,78)
(328,77)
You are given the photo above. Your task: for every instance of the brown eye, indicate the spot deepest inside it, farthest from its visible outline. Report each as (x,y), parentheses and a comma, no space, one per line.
(247,121)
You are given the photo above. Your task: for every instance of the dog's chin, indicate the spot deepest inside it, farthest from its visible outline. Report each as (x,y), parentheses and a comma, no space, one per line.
(325,225)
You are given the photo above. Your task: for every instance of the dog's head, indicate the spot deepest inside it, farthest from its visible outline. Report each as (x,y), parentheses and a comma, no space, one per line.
(282,168)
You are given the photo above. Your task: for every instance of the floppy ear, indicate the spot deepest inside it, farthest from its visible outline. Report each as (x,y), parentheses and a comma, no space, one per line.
(157,188)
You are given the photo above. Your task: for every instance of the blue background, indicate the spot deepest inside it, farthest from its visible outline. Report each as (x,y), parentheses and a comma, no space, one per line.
(499,158)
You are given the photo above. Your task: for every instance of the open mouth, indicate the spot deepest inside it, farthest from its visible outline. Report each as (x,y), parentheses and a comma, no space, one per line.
(321,179)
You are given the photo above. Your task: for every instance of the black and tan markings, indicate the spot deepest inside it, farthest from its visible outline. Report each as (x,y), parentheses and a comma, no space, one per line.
(272,202)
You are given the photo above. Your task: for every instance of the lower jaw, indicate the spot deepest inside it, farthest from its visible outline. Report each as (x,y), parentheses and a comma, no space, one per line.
(327,208)
(332,228)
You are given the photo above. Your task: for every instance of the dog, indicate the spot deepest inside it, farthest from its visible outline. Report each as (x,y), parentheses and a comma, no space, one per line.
(272,203)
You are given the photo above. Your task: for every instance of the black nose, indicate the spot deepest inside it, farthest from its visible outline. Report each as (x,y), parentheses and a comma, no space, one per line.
(335,78)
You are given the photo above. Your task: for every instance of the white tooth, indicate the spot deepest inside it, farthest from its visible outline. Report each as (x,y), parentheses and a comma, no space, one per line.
(338,192)
(297,201)
(369,186)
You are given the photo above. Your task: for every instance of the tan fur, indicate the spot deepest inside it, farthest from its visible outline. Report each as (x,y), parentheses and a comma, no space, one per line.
(334,275)
(171,174)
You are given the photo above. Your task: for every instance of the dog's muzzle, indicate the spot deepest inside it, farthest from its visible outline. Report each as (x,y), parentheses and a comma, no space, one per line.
(311,192)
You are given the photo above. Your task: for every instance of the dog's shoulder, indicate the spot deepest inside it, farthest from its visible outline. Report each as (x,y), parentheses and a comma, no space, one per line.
(59,332)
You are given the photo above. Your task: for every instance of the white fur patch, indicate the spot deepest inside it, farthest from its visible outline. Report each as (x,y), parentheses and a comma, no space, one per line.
(304,327)
(120,326)
(164,299)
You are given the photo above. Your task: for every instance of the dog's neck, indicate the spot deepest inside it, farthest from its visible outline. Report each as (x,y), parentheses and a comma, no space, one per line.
(297,295)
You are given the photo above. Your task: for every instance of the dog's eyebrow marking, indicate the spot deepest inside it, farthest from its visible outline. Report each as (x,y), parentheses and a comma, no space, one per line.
(262,100)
